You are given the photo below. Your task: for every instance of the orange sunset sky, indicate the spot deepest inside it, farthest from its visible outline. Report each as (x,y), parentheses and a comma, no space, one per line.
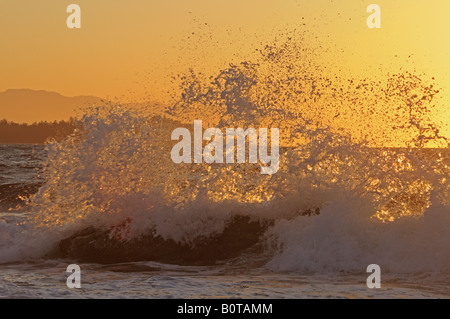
(130,49)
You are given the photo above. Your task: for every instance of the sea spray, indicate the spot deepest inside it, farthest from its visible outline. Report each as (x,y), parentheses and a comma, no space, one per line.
(375,204)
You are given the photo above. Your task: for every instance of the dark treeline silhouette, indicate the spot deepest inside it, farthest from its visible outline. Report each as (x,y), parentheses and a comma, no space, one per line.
(11,132)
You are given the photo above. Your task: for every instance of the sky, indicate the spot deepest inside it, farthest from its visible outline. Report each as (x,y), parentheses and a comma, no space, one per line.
(130,49)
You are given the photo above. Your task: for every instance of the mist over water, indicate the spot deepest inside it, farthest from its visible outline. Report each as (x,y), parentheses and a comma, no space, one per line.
(378,204)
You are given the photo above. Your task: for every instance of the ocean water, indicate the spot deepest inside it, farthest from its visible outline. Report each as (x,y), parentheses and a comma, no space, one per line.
(110,199)
(312,264)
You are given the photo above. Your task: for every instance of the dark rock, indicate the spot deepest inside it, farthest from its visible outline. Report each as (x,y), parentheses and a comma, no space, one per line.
(97,245)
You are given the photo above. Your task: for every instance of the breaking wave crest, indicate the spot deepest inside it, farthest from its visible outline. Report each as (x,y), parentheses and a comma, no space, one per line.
(343,198)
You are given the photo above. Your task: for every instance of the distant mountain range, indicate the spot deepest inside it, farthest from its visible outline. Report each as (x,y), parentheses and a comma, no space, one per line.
(25,105)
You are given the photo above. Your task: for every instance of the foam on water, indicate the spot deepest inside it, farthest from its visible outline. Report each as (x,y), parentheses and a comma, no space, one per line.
(377,205)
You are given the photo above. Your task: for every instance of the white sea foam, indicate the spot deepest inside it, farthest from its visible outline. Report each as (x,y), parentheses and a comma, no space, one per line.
(377,205)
